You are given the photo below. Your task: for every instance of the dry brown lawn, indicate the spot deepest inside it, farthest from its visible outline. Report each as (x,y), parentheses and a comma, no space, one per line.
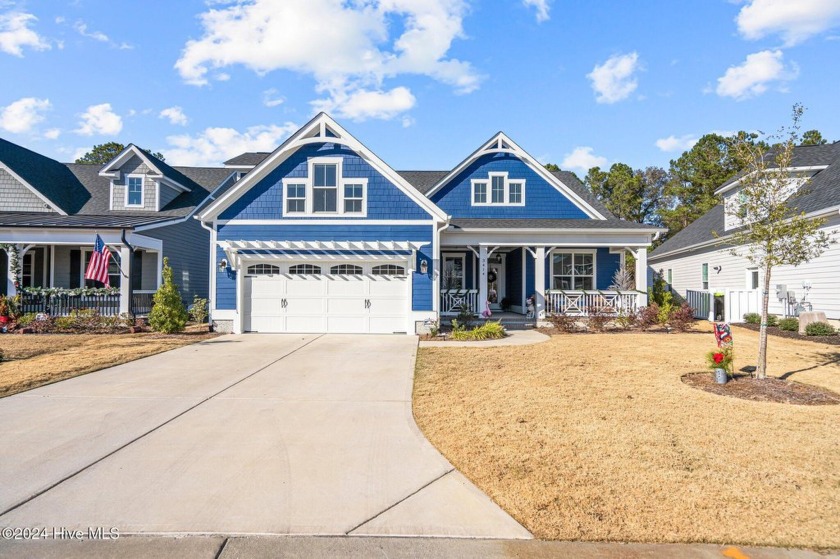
(32,360)
(595,437)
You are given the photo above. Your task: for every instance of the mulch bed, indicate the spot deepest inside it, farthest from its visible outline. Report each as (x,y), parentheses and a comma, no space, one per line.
(775,331)
(767,390)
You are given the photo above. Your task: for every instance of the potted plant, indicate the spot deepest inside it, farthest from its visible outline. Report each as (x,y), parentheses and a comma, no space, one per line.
(720,361)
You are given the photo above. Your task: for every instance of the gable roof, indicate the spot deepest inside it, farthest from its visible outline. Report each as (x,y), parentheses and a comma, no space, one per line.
(501,143)
(321,129)
(820,194)
(47,178)
(176,178)
(247,159)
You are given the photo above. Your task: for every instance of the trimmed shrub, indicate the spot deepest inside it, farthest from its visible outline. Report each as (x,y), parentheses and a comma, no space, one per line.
(649,316)
(627,320)
(564,322)
(772,320)
(789,324)
(820,329)
(64,323)
(168,313)
(682,318)
(666,309)
(597,320)
(25,320)
(752,318)
(490,330)
(198,310)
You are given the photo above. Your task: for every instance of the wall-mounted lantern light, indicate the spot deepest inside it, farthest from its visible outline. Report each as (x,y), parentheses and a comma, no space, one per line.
(424,266)
(223,264)
(717,269)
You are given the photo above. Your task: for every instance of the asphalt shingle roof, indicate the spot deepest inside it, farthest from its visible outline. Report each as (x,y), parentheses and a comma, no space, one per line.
(38,219)
(252,158)
(474,223)
(804,156)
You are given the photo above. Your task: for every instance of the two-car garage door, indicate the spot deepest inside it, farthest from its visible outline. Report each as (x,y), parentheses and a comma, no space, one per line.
(325,297)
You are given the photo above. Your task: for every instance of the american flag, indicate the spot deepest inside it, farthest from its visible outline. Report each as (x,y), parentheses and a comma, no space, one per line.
(98,266)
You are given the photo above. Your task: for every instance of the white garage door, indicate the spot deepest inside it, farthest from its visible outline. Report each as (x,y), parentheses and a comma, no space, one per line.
(325,297)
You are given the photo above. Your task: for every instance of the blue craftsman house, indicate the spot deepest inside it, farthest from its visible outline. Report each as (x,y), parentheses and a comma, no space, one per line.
(323,236)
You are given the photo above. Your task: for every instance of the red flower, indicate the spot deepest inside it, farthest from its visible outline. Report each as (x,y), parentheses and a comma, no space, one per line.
(718,357)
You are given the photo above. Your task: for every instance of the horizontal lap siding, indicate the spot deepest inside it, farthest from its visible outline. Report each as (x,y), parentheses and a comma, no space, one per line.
(264,200)
(187,245)
(542,200)
(607,265)
(422,283)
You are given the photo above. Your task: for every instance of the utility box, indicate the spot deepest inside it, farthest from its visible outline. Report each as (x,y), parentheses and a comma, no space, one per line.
(781,292)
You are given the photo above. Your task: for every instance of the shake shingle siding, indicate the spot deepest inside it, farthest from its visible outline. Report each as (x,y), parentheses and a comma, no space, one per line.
(15,197)
(187,245)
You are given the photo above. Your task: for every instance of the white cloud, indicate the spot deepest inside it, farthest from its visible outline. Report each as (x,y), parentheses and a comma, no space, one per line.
(52,134)
(271,98)
(23,114)
(363,104)
(175,115)
(15,33)
(542,7)
(753,76)
(794,21)
(347,47)
(82,29)
(582,159)
(674,143)
(99,119)
(215,145)
(614,80)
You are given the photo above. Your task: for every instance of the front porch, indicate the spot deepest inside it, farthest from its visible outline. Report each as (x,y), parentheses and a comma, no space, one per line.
(538,281)
(49,277)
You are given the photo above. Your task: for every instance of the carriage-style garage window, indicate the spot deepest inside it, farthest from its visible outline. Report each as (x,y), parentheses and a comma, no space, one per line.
(301,269)
(346,270)
(388,270)
(324,191)
(263,270)
(498,190)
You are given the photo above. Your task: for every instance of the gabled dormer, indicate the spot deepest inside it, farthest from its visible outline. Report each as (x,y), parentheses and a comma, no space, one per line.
(142,182)
(501,180)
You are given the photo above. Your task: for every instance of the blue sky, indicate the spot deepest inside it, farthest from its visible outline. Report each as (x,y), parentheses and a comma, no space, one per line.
(421,82)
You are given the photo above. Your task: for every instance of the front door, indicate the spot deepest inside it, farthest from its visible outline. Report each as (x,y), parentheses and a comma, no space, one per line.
(496,285)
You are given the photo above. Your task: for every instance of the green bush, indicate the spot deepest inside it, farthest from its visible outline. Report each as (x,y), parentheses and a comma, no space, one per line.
(820,329)
(25,320)
(168,313)
(772,320)
(490,330)
(752,318)
(789,324)
(64,323)
(627,319)
(198,310)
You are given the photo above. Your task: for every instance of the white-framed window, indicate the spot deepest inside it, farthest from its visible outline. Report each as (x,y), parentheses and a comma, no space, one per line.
(498,190)
(669,276)
(114,274)
(753,278)
(573,270)
(134,191)
(453,271)
(295,197)
(324,192)
(304,269)
(388,270)
(346,270)
(263,270)
(704,275)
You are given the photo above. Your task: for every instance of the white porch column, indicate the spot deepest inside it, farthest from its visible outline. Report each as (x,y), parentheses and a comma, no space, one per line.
(539,281)
(125,279)
(10,278)
(641,274)
(240,296)
(482,280)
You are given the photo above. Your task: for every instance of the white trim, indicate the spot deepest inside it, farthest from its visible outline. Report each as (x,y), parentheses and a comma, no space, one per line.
(573,252)
(455,255)
(557,230)
(309,190)
(488,184)
(142,190)
(52,266)
(804,169)
(300,139)
(294,222)
(112,168)
(496,145)
(34,190)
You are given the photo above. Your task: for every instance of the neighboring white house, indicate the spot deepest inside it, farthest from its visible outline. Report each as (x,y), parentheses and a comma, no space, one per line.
(699,266)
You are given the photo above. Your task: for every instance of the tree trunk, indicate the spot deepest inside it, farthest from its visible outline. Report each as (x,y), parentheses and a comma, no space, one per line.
(761,369)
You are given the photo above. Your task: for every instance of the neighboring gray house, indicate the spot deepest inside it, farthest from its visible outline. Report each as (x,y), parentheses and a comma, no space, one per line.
(698,265)
(51,212)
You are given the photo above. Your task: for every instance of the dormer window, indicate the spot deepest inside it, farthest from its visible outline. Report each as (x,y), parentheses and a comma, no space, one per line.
(325,192)
(134,191)
(498,190)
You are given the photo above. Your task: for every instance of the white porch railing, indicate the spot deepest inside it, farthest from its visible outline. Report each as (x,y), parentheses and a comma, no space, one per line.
(453,301)
(700,301)
(581,303)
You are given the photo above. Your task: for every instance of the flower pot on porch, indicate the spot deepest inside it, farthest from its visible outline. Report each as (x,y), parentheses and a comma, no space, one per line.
(720,376)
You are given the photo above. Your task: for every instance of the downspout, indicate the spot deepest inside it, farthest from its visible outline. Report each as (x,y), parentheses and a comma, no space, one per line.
(211,274)
(131,272)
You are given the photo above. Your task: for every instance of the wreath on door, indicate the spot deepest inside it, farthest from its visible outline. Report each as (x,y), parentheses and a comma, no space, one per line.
(491,276)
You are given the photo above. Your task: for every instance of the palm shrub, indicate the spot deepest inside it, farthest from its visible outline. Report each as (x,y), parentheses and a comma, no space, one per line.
(820,329)
(789,324)
(168,313)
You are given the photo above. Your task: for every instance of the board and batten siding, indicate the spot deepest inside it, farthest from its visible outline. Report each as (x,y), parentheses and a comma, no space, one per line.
(187,245)
(16,197)
(822,272)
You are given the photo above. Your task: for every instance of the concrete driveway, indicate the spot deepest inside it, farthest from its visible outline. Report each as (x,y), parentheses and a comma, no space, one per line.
(256,434)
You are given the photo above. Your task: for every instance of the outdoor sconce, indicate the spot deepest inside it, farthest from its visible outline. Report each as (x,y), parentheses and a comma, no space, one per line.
(223,264)
(424,267)
(717,269)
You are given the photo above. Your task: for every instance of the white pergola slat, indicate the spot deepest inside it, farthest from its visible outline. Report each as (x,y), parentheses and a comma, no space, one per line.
(332,250)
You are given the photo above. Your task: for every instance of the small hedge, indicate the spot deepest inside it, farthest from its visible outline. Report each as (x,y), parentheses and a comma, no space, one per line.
(789,324)
(490,330)
(820,329)
(752,318)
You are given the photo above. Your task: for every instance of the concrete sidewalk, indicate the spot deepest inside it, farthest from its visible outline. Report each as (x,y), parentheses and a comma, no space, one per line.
(215,547)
